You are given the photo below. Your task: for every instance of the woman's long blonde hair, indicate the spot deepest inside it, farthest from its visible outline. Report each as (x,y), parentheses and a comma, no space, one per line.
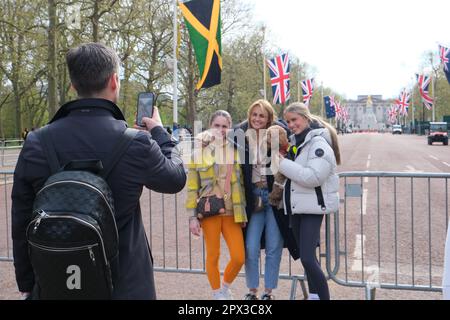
(302,110)
(265,106)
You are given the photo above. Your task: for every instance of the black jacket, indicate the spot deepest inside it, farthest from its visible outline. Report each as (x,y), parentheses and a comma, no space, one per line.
(91,132)
(280,217)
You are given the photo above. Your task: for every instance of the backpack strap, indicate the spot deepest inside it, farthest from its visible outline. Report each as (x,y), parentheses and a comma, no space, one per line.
(118,151)
(49,149)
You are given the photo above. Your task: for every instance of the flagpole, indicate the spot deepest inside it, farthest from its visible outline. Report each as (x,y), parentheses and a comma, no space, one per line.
(434,89)
(299,88)
(412,107)
(264,74)
(263,28)
(175,63)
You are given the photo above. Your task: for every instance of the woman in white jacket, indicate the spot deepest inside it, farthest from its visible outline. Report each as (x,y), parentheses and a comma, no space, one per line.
(312,186)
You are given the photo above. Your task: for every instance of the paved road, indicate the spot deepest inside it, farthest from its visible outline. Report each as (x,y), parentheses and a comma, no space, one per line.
(377,230)
(398,238)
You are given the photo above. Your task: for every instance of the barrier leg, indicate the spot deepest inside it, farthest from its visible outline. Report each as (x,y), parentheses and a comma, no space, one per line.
(370,292)
(294,288)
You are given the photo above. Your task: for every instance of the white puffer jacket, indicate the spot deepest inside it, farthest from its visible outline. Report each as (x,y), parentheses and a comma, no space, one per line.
(315,166)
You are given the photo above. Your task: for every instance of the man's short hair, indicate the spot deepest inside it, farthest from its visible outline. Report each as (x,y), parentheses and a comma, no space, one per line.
(90,67)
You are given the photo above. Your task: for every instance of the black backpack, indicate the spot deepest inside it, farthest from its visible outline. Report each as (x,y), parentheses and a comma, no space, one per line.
(73,239)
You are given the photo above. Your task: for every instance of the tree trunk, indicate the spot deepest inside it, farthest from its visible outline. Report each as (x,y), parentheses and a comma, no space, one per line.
(62,83)
(125,88)
(230,93)
(95,19)
(17,109)
(16,86)
(2,135)
(51,61)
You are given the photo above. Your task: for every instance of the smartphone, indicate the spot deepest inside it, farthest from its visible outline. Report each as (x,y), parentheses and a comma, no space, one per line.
(145,105)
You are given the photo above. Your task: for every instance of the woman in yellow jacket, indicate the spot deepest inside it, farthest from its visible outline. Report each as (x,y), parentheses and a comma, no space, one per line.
(212,159)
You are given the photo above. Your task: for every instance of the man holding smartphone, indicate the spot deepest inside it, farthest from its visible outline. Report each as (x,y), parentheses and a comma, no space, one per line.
(89,128)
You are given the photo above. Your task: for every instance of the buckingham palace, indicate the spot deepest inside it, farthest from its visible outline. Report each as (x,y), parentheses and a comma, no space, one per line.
(368,112)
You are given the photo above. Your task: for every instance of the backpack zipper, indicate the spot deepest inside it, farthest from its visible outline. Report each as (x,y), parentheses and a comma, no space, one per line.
(53,249)
(89,186)
(43,214)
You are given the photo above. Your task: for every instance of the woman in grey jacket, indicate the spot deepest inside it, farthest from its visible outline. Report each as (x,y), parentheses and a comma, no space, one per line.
(312,186)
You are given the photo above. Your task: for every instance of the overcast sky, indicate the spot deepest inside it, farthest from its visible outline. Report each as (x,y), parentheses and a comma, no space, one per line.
(358,46)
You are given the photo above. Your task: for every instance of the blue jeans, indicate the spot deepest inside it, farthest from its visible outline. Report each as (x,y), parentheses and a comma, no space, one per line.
(259,221)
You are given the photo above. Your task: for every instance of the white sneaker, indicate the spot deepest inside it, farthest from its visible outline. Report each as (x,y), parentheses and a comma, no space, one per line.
(313,296)
(227,294)
(219,295)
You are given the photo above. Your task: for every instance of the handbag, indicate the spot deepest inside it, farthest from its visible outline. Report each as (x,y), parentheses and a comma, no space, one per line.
(213,205)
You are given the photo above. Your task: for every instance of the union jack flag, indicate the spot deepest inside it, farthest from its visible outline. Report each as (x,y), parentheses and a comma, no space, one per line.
(279,78)
(338,108)
(307,90)
(345,115)
(403,102)
(424,85)
(392,112)
(444,54)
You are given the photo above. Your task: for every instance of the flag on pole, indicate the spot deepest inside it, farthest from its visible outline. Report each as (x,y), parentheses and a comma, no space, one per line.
(392,113)
(424,85)
(338,109)
(279,78)
(307,90)
(202,18)
(402,102)
(444,54)
(329,106)
(345,115)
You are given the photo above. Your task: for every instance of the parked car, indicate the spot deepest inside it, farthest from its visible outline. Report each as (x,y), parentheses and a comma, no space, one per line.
(397,129)
(438,133)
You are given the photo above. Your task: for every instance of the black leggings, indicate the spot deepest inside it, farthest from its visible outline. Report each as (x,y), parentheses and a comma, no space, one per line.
(306,228)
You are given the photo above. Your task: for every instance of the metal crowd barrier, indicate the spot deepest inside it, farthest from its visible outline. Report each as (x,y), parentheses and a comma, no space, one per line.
(15,142)
(389,233)
(9,155)
(5,209)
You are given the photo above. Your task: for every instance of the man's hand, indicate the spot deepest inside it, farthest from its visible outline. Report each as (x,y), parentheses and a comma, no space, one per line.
(152,122)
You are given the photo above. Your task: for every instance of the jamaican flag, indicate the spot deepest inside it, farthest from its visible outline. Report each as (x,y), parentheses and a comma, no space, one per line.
(202,19)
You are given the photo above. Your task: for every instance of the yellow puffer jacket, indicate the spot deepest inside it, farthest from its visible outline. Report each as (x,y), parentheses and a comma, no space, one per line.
(201,173)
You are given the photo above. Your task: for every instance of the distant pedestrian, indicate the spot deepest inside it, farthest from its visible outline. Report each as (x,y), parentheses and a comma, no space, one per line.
(25,134)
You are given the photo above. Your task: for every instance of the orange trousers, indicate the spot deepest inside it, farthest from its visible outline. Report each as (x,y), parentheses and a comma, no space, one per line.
(232,233)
